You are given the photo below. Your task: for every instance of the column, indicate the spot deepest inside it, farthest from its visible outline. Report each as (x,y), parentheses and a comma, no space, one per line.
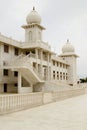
(36,53)
(31,85)
(48,70)
(19,82)
(41,66)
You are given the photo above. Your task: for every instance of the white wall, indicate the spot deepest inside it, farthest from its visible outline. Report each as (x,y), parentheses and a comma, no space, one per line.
(26,89)
(1,88)
(11,88)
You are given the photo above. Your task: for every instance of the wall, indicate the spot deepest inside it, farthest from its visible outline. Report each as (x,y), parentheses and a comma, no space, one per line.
(11,88)
(1,88)
(10,79)
(26,89)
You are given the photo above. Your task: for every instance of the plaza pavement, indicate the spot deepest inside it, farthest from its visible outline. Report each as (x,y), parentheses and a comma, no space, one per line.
(69,114)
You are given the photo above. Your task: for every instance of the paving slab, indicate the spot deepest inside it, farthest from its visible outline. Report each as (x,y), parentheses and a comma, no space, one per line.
(69,114)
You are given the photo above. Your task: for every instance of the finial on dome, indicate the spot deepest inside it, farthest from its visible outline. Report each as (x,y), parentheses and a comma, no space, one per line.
(67,40)
(33,8)
(33,17)
(68,48)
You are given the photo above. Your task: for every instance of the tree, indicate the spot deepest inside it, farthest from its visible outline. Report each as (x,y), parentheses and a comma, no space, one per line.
(83,80)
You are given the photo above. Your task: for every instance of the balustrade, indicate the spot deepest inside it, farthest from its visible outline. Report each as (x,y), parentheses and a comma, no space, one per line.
(9,40)
(24,61)
(15,102)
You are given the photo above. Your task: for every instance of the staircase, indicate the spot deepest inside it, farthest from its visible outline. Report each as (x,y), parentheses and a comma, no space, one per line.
(22,64)
(56,86)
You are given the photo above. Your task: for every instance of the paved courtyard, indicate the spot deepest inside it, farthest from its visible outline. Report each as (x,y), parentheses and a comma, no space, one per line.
(70,114)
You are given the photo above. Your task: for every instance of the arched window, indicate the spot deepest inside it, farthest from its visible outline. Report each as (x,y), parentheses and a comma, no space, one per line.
(30,35)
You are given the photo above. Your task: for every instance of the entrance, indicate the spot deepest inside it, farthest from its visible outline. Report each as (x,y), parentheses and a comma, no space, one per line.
(5,88)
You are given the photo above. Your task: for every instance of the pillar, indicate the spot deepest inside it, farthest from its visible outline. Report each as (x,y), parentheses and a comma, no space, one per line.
(36,53)
(41,66)
(19,82)
(48,70)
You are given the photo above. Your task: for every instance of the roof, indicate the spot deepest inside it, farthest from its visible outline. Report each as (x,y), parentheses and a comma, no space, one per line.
(23,45)
(68,54)
(33,24)
(9,41)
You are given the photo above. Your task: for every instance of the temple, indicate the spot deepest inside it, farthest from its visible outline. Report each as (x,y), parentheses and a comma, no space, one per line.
(31,66)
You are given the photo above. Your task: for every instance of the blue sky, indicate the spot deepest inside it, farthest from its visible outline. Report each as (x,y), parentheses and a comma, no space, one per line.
(63,19)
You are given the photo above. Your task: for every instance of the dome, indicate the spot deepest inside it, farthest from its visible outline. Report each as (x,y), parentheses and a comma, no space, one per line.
(33,17)
(67,48)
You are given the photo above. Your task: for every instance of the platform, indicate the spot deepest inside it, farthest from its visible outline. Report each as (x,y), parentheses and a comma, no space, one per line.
(69,114)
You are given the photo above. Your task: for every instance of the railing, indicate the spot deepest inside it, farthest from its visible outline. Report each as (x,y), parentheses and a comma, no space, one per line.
(9,40)
(31,55)
(45,45)
(24,60)
(19,60)
(37,73)
(68,94)
(15,102)
(41,44)
(14,61)
(82,85)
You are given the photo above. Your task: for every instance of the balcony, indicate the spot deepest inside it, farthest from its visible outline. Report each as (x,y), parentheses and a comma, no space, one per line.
(39,44)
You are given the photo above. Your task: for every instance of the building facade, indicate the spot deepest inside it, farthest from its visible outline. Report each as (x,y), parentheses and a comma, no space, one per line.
(31,66)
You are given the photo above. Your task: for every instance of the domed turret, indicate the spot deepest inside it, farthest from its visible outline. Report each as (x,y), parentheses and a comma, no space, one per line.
(68,48)
(33,17)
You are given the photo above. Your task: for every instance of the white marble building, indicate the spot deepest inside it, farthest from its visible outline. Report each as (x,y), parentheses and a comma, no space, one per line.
(31,66)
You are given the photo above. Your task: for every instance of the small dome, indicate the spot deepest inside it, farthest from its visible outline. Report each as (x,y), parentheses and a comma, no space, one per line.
(68,48)
(33,17)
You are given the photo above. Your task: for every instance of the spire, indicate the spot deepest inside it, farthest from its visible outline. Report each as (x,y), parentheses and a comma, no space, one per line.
(33,8)
(67,40)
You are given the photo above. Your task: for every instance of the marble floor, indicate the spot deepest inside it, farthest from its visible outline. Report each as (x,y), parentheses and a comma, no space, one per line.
(70,114)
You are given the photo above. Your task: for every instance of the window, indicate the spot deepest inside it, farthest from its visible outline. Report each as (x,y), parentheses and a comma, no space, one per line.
(63,65)
(44,56)
(15,84)
(5,87)
(63,76)
(15,73)
(66,66)
(57,75)
(53,74)
(6,48)
(16,51)
(60,64)
(66,76)
(60,75)
(54,63)
(5,72)
(57,63)
(27,52)
(4,62)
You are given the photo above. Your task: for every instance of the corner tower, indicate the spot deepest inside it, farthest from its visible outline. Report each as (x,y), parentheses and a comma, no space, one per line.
(68,54)
(33,29)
